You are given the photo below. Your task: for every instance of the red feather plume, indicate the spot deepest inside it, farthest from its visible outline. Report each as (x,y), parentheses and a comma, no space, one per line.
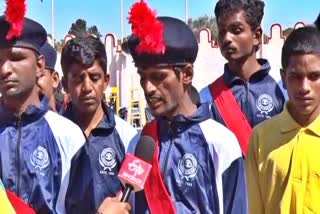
(146,27)
(15,12)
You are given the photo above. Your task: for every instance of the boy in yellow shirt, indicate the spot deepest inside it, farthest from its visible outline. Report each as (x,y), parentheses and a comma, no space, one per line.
(283,160)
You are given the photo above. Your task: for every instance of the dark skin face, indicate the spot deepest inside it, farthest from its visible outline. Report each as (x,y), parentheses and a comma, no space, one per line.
(48,83)
(19,69)
(236,38)
(302,80)
(238,44)
(86,86)
(166,94)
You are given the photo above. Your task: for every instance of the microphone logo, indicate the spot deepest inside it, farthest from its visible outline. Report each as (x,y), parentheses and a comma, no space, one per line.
(134,172)
(135,167)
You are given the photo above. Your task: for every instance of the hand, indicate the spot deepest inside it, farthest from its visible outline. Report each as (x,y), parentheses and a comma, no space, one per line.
(114,206)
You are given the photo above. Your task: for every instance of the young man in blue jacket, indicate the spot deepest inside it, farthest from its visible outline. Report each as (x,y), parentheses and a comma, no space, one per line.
(94,172)
(246,94)
(37,145)
(197,166)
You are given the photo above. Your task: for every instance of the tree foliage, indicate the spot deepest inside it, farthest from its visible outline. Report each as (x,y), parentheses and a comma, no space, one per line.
(94,30)
(58,45)
(79,28)
(204,22)
(287,31)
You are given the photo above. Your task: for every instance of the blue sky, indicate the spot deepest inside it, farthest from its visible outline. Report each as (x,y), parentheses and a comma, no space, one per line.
(105,14)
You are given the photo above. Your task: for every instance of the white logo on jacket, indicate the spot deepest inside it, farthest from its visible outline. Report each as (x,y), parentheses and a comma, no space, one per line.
(188,167)
(39,159)
(264,104)
(107,159)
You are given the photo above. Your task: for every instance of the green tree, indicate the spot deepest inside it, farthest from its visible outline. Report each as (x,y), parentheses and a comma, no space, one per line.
(58,45)
(287,31)
(94,30)
(204,22)
(79,28)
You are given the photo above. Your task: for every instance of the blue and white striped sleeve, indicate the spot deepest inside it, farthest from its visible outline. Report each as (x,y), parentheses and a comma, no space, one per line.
(69,139)
(229,168)
(234,188)
(127,133)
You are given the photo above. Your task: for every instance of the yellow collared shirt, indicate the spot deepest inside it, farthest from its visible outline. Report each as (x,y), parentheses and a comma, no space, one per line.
(5,205)
(283,167)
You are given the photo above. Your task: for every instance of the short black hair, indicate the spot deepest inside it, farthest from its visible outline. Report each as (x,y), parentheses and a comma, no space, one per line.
(305,40)
(253,10)
(84,51)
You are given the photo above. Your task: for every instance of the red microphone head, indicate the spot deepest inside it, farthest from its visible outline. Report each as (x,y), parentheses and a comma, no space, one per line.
(135,169)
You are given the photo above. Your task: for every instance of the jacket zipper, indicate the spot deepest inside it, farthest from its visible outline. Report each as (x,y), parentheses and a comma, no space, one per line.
(246,85)
(18,154)
(167,156)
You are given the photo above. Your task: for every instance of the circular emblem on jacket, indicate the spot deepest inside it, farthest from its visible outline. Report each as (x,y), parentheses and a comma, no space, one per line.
(188,166)
(107,158)
(39,158)
(265,103)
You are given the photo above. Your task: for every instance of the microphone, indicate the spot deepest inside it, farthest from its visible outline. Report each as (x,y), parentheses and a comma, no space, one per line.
(135,168)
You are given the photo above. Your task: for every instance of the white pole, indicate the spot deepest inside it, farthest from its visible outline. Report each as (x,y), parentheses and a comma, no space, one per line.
(121,8)
(186,11)
(52,21)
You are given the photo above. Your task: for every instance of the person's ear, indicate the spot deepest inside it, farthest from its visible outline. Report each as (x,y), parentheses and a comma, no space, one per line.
(187,74)
(40,66)
(258,33)
(106,81)
(55,80)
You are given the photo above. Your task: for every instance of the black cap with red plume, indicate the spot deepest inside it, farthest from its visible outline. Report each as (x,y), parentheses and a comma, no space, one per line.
(32,36)
(159,40)
(18,31)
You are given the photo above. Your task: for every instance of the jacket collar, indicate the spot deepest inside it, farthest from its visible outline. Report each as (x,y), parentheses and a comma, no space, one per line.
(180,123)
(230,78)
(106,123)
(31,114)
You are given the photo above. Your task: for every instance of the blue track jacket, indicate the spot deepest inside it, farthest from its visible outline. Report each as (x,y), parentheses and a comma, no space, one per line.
(201,166)
(94,171)
(35,155)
